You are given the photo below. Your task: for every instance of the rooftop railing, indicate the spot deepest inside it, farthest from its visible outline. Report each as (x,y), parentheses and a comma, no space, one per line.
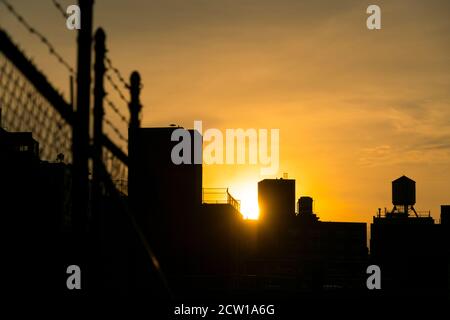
(220,196)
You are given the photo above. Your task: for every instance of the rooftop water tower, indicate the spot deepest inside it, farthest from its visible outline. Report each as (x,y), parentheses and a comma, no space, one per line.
(305,209)
(305,205)
(404,195)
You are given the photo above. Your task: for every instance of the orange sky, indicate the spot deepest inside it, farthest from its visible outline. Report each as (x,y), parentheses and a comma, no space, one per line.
(355,108)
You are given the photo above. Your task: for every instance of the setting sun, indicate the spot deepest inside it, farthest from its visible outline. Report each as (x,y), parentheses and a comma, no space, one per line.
(248,195)
(279,154)
(249,208)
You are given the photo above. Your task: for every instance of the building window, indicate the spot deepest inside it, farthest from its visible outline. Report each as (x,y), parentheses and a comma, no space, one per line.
(23,148)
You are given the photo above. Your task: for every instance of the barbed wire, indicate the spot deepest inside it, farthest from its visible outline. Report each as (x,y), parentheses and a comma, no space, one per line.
(61,60)
(59,7)
(116,110)
(115,130)
(42,38)
(109,68)
(115,87)
(109,65)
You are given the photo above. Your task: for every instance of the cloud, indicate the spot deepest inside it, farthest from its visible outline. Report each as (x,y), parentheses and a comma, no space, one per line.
(428,151)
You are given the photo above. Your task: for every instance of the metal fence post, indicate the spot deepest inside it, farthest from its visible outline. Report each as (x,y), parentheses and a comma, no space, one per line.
(135,109)
(135,104)
(99,94)
(97,178)
(81,121)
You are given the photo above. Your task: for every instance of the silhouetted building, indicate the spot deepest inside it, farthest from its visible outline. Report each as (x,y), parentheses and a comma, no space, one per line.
(208,249)
(19,169)
(38,189)
(445,214)
(408,248)
(298,253)
(18,146)
(276,200)
(445,225)
(55,180)
(336,252)
(164,196)
(305,209)
(195,242)
(214,263)
(35,201)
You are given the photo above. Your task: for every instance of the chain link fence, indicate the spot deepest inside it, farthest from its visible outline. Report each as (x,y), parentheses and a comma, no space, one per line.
(24,109)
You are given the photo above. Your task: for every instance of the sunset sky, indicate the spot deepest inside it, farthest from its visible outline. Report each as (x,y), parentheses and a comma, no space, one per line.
(355,108)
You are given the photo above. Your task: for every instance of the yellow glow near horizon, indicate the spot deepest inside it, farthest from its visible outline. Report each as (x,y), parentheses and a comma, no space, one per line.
(250,209)
(340,148)
(248,195)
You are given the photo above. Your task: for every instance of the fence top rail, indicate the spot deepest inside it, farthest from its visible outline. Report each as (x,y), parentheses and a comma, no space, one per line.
(46,89)
(115,150)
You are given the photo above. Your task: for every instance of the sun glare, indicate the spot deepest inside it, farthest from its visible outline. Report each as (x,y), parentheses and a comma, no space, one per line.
(248,195)
(250,209)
